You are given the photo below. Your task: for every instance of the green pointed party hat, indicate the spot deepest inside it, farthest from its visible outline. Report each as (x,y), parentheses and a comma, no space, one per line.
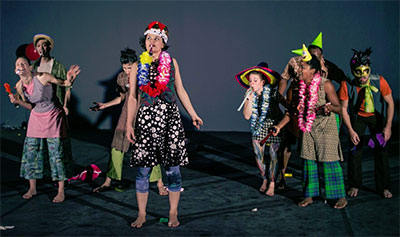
(318,41)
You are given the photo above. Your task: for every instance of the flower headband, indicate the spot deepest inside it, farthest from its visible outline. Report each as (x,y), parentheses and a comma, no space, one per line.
(160,32)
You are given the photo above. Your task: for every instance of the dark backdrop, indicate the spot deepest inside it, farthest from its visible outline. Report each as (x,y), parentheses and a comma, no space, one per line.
(212,41)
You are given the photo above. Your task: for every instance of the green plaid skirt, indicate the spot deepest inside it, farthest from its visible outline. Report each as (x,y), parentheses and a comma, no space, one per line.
(334,182)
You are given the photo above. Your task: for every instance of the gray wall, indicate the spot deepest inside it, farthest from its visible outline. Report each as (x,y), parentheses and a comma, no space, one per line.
(212,41)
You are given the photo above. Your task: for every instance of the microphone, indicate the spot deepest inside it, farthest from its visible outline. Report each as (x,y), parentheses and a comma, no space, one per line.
(151,50)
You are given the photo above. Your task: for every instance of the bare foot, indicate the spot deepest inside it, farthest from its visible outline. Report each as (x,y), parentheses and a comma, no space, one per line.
(59,197)
(29,194)
(307,201)
(271,189)
(387,193)
(263,186)
(138,223)
(173,220)
(353,192)
(341,203)
(162,191)
(282,184)
(101,188)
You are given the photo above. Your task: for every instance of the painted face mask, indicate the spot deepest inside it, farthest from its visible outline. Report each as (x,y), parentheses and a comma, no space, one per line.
(361,71)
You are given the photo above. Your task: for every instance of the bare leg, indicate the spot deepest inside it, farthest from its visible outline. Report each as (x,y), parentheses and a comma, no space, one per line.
(271,189)
(106,183)
(173,209)
(60,197)
(341,203)
(353,192)
(286,157)
(142,203)
(161,189)
(32,189)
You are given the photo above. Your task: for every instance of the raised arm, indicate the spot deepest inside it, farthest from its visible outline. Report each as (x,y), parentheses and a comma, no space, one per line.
(72,73)
(132,104)
(184,98)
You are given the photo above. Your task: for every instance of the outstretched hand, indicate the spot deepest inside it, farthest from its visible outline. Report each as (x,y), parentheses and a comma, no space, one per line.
(97,106)
(73,71)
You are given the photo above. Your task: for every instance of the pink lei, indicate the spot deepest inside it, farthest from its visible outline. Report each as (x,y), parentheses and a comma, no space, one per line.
(305,125)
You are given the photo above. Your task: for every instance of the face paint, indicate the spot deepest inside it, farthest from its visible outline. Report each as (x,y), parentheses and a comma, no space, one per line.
(361,71)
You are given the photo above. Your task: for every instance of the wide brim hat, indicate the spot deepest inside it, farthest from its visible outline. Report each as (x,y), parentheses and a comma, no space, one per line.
(271,75)
(43,36)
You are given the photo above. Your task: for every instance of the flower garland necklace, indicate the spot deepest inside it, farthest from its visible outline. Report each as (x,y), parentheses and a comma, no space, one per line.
(257,119)
(162,78)
(306,126)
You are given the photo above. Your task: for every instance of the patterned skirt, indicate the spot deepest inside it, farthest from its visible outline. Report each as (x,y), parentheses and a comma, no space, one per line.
(264,132)
(160,138)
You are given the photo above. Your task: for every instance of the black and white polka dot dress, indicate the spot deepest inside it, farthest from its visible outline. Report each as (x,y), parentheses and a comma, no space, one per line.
(160,137)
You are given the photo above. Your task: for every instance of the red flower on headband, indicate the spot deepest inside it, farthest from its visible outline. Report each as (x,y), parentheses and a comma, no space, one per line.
(160,25)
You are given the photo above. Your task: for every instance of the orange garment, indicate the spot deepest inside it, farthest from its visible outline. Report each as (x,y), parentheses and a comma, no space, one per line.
(344,95)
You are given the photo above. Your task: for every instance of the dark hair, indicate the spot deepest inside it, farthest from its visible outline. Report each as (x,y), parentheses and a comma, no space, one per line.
(37,40)
(360,58)
(27,59)
(128,56)
(263,64)
(310,47)
(314,63)
(142,39)
(262,76)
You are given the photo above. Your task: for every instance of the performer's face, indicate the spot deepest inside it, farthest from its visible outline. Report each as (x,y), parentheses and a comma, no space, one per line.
(22,67)
(362,73)
(127,68)
(316,52)
(306,72)
(155,42)
(42,47)
(255,82)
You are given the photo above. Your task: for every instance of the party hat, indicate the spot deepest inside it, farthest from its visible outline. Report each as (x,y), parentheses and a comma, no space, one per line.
(306,55)
(318,41)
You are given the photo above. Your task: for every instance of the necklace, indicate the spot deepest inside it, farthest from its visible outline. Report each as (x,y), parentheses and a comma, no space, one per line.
(163,73)
(306,126)
(258,116)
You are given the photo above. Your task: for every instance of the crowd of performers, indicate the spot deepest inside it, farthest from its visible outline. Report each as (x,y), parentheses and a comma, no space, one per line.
(150,123)
(313,115)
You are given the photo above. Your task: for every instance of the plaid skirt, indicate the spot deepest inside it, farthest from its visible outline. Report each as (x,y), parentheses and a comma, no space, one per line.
(264,132)
(334,181)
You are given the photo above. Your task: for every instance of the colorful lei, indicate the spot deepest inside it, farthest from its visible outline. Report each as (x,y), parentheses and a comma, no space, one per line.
(257,119)
(162,79)
(306,126)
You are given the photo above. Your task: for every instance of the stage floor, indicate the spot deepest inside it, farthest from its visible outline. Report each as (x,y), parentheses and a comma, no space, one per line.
(221,194)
